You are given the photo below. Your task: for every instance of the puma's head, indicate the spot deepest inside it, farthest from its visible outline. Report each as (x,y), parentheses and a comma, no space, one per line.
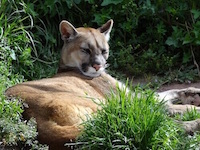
(85,48)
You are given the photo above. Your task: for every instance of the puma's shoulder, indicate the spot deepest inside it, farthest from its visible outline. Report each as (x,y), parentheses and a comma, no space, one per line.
(69,83)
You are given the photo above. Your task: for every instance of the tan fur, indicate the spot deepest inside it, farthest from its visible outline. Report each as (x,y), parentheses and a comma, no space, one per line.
(61,103)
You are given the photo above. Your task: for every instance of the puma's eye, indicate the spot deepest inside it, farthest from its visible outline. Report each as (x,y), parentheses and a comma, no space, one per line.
(86,50)
(104,51)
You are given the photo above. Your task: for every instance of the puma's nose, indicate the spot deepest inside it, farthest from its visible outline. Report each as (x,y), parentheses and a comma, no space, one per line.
(96,67)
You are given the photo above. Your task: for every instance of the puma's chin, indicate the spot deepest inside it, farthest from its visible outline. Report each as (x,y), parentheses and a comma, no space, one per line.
(91,72)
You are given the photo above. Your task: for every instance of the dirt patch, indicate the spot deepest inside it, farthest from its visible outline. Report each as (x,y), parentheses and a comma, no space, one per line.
(178,86)
(165,87)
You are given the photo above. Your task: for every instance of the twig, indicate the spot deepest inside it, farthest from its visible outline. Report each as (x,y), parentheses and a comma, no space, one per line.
(43,61)
(195,62)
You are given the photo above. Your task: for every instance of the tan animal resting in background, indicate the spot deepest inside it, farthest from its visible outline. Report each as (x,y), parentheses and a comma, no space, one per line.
(61,103)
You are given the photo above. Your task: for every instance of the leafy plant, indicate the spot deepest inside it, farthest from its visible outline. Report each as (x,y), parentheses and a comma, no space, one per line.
(158,36)
(16,44)
(14,132)
(17,38)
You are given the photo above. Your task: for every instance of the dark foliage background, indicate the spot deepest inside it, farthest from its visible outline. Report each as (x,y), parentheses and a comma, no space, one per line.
(155,37)
(149,37)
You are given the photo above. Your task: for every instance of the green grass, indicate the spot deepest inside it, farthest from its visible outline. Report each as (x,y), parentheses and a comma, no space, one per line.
(135,121)
(188,115)
(129,121)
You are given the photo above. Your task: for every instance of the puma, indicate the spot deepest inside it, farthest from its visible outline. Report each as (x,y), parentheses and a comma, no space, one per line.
(61,103)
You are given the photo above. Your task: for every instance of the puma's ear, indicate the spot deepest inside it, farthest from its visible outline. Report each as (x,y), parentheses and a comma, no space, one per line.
(67,30)
(106,28)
